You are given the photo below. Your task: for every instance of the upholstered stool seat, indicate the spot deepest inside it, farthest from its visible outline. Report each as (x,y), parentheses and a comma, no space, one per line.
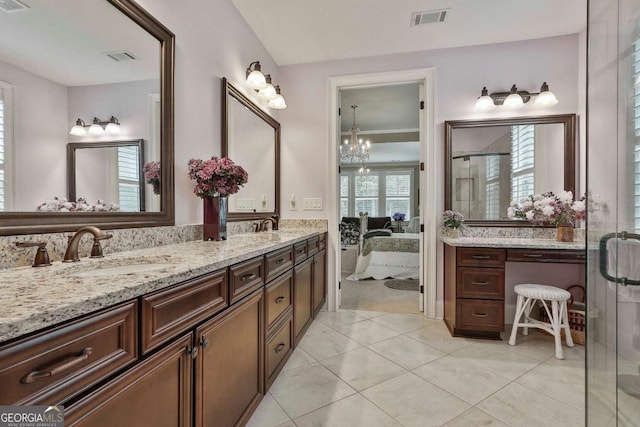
(528,295)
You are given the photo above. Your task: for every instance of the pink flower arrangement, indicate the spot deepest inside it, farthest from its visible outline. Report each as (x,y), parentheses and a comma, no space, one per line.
(548,208)
(216,177)
(152,175)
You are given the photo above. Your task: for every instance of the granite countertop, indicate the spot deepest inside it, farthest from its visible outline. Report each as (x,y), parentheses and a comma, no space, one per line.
(35,298)
(512,242)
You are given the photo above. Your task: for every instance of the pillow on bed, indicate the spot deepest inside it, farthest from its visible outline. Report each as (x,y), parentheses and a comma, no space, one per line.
(349,233)
(378,232)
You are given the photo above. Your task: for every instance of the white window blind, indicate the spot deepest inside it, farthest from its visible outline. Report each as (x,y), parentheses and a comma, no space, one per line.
(522,161)
(636,186)
(366,194)
(492,188)
(636,129)
(398,194)
(129,179)
(6,111)
(2,151)
(344,195)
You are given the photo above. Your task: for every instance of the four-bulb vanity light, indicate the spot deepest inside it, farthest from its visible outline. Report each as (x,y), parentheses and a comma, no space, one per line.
(97,128)
(515,98)
(266,90)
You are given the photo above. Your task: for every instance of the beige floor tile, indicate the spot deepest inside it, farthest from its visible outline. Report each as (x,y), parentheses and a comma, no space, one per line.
(298,358)
(499,359)
(302,390)
(362,368)
(474,417)
(336,319)
(438,336)
(406,352)
(413,401)
(536,345)
(268,414)
(559,380)
(287,424)
(367,332)
(353,411)
(404,323)
(316,327)
(369,314)
(520,406)
(326,344)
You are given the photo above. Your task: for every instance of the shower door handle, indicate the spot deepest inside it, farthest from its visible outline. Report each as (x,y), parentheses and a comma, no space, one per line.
(604,257)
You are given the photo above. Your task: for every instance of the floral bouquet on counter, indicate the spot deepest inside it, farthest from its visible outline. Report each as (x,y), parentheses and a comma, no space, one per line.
(452,222)
(152,175)
(547,208)
(216,176)
(398,216)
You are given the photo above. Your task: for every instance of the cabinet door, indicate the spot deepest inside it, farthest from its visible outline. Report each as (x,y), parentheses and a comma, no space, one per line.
(229,374)
(319,280)
(156,392)
(302,296)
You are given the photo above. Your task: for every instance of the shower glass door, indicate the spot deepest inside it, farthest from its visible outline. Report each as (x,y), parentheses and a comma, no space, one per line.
(613,183)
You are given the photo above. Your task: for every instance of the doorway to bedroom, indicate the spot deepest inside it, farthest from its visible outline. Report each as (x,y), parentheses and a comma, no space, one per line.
(379,189)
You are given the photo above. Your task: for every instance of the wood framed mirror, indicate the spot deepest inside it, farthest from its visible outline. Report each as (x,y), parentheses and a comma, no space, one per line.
(91,66)
(251,138)
(489,163)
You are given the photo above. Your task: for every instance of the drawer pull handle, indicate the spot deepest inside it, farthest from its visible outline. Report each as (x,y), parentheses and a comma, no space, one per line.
(480,256)
(580,256)
(301,251)
(479,315)
(533,255)
(248,276)
(279,300)
(280,261)
(280,347)
(480,283)
(66,364)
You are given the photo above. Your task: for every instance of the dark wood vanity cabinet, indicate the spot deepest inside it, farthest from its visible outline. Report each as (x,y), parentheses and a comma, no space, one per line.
(303,298)
(319,280)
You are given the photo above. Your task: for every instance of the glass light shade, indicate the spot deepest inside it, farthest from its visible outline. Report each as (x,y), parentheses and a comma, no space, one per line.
(78,130)
(513,101)
(96,129)
(256,80)
(112,128)
(485,103)
(546,98)
(278,102)
(267,92)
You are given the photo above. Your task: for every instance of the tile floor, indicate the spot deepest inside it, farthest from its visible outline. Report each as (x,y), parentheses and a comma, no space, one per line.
(364,368)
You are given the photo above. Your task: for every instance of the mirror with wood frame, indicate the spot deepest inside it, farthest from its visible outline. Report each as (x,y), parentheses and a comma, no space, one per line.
(67,63)
(489,163)
(251,138)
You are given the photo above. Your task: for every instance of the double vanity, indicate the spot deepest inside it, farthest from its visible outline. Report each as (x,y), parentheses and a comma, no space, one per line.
(185,334)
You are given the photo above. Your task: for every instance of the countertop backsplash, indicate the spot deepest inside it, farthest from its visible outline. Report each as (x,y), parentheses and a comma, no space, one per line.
(123,240)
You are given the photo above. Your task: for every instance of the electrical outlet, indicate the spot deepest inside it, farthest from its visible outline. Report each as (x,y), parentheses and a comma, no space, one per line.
(312,204)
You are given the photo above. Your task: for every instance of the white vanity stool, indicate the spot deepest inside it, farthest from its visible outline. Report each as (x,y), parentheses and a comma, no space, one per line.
(528,294)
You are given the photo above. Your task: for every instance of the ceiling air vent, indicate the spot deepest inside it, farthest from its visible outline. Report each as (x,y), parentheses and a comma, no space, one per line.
(12,6)
(429,17)
(120,56)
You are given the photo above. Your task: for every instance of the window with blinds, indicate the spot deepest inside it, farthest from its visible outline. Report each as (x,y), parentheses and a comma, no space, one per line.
(398,194)
(129,179)
(6,107)
(366,194)
(522,161)
(636,187)
(2,156)
(492,188)
(636,130)
(344,195)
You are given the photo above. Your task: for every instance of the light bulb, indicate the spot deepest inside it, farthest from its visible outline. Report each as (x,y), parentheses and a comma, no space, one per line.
(485,102)
(546,97)
(96,129)
(514,100)
(112,128)
(255,78)
(78,129)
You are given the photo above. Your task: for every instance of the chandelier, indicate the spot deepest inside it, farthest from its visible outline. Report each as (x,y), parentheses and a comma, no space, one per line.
(355,150)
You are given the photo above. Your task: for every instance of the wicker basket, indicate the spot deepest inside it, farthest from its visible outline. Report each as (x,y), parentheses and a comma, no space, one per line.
(576,314)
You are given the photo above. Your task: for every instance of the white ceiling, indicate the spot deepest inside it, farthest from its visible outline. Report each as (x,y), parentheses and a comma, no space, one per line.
(66,41)
(301,31)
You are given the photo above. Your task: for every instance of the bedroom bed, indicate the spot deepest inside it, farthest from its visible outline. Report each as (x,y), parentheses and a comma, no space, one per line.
(395,256)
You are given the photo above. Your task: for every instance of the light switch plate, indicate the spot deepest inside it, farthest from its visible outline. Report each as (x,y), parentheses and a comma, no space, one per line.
(245,203)
(312,204)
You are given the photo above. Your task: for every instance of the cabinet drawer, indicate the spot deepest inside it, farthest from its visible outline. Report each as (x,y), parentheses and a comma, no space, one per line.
(245,278)
(322,242)
(480,315)
(278,298)
(546,255)
(300,252)
(313,245)
(278,262)
(169,312)
(481,257)
(277,351)
(480,283)
(53,366)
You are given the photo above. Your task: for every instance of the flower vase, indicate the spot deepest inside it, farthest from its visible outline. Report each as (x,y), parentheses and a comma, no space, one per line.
(454,233)
(214,218)
(564,233)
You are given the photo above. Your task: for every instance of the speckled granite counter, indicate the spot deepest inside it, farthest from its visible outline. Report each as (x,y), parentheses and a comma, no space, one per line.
(504,242)
(35,298)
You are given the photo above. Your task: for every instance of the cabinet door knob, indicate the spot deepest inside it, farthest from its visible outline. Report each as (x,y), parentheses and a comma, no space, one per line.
(193,351)
(279,300)
(280,347)
(204,342)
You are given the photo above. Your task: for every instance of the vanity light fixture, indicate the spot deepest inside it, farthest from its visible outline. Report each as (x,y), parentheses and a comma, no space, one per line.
(277,102)
(268,92)
(98,127)
(515,98)
(255,78)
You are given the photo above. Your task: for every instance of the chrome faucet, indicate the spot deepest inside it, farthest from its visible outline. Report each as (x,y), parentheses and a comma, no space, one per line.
(71,255)
(262,225)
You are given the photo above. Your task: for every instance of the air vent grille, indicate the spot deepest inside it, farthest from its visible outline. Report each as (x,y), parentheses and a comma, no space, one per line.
(12,6)
(120,56)
(429,17)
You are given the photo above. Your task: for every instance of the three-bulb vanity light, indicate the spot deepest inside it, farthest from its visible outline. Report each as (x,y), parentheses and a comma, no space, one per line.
(266,90)
(97,128)
(515,98)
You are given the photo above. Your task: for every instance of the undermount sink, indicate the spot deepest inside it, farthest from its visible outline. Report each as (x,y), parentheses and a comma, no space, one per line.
(122,269)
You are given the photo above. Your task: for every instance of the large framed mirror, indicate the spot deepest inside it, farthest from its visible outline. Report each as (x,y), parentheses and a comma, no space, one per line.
(489,163)
(68,62)
(251,138)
